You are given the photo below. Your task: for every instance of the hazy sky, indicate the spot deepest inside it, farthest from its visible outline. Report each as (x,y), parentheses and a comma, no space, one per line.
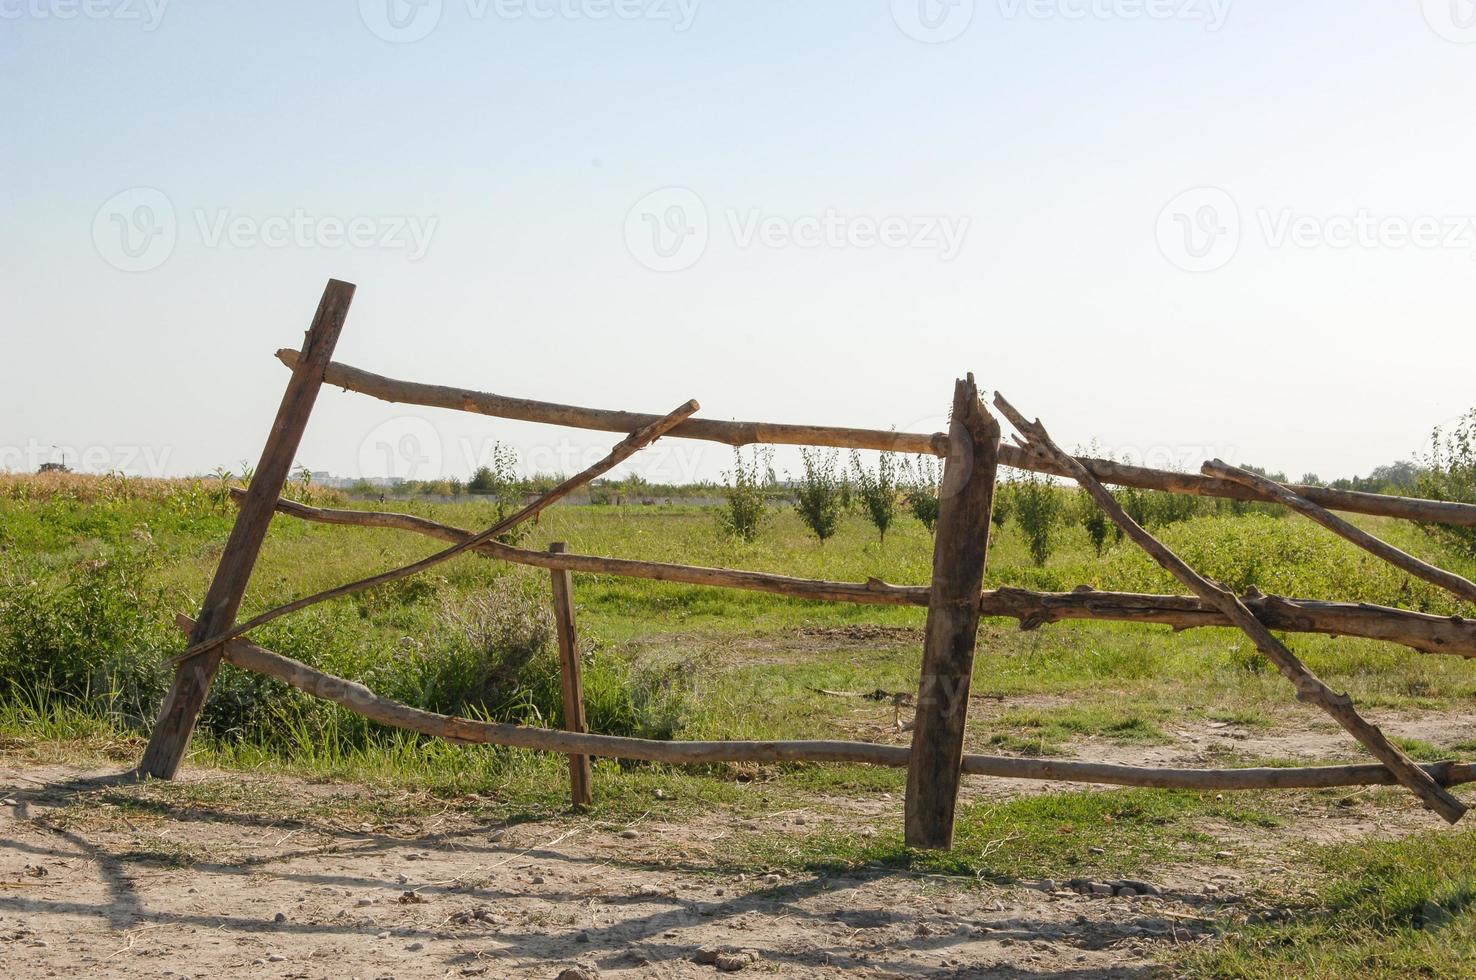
(1180,228)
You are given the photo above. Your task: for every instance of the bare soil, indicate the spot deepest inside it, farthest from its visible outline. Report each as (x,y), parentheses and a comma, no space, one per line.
(100,876)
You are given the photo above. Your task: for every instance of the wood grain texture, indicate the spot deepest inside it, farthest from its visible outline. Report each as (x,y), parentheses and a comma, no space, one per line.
(1309,687)
(581,781)
(171,734)
(463,731)
(960,550)
(744,433)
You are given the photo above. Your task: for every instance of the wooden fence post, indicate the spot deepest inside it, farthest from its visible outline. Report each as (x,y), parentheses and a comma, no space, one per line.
(171,735)
(581,792)
(960,550)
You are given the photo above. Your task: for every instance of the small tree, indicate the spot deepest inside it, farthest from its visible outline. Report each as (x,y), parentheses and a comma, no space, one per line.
(1450,474)
(1037,508)
(744,489)
(878,490)
(1093,520)
(922,491)
(819,495)
(1004,498)
(497,480)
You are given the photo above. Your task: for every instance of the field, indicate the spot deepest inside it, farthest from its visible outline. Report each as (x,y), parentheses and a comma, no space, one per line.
(315,809)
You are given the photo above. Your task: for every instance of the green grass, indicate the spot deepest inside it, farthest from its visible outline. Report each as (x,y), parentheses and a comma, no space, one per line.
(1391,909)
(88,592)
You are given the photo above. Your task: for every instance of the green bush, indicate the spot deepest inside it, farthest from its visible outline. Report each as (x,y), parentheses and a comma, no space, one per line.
(1038,506)
(745,491)
(818,497)
(878,490)
(1450,474)
(923,479)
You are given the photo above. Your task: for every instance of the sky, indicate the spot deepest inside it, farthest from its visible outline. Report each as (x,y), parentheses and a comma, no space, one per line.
(1172,229)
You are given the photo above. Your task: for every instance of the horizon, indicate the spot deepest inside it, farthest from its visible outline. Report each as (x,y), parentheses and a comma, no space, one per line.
(790,215)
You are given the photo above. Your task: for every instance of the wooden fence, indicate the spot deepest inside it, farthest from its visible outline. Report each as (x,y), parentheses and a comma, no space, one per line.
(956,600)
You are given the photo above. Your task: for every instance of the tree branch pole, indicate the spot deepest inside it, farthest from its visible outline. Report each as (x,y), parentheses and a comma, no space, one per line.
(1427,633)
(936,444)
(1461,588)
(1309,686)
(960,550)
(171,733)
(623,450)
(463,731)
(571,676)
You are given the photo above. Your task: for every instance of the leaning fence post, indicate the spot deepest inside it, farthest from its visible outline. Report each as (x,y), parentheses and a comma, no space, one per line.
(960,549)
(192,680)
(580,790)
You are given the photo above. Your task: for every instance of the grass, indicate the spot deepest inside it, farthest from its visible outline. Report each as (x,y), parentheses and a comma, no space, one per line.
(1391,909)
(90,578)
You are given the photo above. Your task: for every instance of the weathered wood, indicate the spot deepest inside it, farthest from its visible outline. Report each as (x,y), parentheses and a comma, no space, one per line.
(1309,686)
(171,735)
(623,450)
(1452,635)
(581,791)
(462,731)
(960,550)
(1461,588)
(936,444)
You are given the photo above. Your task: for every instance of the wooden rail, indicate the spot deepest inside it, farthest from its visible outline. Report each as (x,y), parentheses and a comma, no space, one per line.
(1425,632)
(955,599)
(936,444)
(465,731)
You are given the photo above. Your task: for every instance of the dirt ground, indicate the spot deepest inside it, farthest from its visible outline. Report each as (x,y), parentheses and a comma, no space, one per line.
(102,877)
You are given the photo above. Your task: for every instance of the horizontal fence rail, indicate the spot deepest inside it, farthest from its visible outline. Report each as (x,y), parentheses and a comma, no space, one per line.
(1420,631)
(955,598)
(936,444)
(361,700)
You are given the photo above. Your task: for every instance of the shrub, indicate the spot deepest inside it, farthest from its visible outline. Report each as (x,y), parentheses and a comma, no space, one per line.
(922,490)
(819,493)
(1093,520)
(878,490)
(1004,498)
(745,491)
(1037,506)
(1450,474)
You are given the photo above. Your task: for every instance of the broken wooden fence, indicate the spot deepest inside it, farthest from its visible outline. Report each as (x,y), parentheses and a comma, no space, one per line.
(955,598)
